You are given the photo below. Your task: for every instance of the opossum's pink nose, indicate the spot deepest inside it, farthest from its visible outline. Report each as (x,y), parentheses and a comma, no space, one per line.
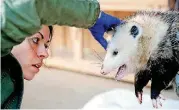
(102,71)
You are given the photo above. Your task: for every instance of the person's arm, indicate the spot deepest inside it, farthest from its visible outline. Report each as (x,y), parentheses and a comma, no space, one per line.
(102,25)
(22,18)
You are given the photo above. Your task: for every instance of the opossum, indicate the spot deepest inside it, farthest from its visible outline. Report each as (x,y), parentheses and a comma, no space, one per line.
(146,44)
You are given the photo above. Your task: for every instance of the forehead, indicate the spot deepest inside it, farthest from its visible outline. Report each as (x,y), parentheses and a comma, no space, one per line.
(127,25)
(122,31)
(124,28)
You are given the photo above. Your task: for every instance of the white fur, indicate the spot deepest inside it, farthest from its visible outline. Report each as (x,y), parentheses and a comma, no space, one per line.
(135,52)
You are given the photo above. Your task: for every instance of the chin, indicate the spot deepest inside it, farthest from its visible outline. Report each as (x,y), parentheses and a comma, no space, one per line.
(28,79)
(29,76)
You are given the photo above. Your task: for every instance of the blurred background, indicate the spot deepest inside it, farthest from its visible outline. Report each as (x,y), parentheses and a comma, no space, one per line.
(71,75)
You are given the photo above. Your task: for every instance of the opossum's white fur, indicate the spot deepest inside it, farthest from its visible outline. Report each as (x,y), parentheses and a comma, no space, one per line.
(135,52)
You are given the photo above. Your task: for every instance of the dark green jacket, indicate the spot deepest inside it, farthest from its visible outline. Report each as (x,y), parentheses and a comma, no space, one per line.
(22,18)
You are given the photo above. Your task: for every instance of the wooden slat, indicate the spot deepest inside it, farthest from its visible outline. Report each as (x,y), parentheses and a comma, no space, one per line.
(77,39)
(58,40)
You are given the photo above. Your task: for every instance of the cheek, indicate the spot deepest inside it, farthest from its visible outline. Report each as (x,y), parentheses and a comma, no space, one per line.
(27,56)
(121,58)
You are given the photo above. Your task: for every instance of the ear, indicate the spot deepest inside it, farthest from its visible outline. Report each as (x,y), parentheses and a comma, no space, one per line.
(136,30)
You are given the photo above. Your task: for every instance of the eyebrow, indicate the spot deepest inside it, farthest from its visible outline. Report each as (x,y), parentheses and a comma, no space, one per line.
(41,35)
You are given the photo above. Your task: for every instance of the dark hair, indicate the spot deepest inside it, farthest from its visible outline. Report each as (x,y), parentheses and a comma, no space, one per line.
(51,31)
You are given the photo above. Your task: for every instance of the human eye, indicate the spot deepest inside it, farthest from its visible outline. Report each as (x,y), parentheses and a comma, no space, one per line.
(35,40)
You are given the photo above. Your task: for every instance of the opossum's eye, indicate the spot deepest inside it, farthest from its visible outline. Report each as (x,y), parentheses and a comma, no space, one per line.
(134,31)
(115,52)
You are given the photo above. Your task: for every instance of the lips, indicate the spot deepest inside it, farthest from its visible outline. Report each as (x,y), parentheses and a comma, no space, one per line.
(37,65)
(120,73)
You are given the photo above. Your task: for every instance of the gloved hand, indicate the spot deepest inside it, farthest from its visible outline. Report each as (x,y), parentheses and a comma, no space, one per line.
(103,23)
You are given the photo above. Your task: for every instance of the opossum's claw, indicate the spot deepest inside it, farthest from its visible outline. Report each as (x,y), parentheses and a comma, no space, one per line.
(139,96)
(138,93)
(156,102)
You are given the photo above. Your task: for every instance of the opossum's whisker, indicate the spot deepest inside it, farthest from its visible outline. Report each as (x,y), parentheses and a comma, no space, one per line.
(98,58)
(96,63)
(99,66)
(97,55)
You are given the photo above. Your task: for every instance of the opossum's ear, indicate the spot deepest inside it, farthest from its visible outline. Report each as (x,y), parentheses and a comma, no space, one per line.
(111,30)
(134,31)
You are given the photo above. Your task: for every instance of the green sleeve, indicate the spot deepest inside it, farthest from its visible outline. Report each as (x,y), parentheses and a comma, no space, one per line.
(22,18)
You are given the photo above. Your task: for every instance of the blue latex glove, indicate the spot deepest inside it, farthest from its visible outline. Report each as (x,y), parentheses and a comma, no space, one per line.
(103,23)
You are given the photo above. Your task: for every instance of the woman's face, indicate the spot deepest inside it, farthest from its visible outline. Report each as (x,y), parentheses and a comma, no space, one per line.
(32,51)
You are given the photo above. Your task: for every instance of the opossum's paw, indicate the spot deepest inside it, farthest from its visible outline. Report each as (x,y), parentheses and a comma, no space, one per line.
(156,102)
(139,96)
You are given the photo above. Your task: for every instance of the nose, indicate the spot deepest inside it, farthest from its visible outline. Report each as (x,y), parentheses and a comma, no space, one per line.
(102,71)
(42,52)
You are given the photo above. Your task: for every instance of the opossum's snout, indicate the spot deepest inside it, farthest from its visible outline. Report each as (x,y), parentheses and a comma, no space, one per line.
(108,64)
(120,72)
(103,71)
